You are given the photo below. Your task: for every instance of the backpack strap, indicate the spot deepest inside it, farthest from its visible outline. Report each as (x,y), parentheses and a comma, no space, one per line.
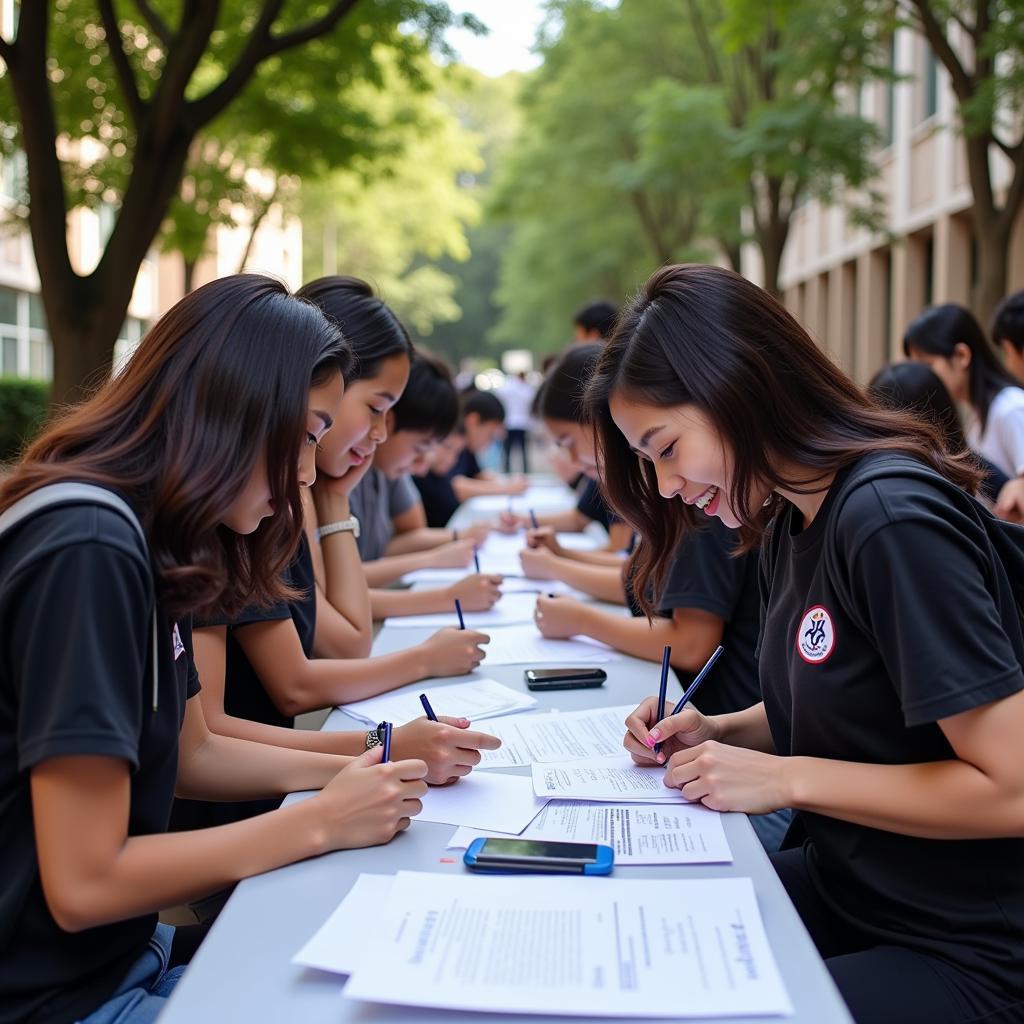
(73,493)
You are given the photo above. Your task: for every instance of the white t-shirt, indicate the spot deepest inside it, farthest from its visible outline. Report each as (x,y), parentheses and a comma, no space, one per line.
(517,397)
(1003,439)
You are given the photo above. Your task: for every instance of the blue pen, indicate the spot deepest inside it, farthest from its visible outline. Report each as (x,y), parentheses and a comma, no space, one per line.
(476,559)
(458,609)
(698,679)
(663,689)
(533,520)
(386,743)
(427,708)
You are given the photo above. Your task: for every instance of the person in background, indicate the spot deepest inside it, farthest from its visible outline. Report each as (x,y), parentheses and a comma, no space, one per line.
(1008,335)
(952,343)
(517,396)
(594,322)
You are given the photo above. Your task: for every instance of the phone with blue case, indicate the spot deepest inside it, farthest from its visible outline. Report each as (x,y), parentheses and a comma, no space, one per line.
(536,856)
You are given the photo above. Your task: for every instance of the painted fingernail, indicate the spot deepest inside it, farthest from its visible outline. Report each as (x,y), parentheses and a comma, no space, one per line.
(661,759)
(655,735)
(649,741)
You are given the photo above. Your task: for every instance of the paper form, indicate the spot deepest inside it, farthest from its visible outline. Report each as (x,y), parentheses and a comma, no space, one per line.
(495,803)
(475,700)
(638,833)
(571,945)
(615,779)
(511,610)
(523,645)
(557,736)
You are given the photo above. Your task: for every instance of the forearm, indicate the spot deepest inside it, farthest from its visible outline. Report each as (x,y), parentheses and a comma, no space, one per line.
(153,872)
(467,487)
(599,557)
(382,571)
(386,603)
(344,627)
(347,744)
(570,520)
(421,539)
(326,683)
(600,581)
(747,728)
(937,800)
(228,768)
(643,639)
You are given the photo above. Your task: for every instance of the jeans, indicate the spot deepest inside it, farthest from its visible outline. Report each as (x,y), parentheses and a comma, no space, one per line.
(771,828)
(146,986)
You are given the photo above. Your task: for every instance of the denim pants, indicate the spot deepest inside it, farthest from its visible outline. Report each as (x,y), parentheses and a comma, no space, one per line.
(146,986)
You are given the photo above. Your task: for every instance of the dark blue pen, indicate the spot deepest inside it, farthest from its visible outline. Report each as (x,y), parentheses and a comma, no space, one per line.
(698,679)
(476,559)
(427,708)
(386,743)
(458,610)
(533,519)
(663,689)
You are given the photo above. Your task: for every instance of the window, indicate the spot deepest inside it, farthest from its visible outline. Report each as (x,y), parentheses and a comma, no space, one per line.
(929,84)
(889,122)
(8,353)
(8,306)
(36,314)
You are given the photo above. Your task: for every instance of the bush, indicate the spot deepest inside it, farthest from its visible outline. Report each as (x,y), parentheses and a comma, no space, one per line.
(23,406)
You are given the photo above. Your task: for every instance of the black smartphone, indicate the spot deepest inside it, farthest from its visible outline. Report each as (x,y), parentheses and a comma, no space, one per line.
(564,678)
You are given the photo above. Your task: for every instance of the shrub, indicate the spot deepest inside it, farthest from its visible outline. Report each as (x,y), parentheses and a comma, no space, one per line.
(23,407)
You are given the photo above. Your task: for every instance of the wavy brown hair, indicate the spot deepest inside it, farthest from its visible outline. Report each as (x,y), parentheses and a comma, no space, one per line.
(222,378)
(707,337)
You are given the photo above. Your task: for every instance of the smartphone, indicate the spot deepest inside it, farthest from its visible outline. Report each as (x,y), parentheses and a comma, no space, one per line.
(539,857)
(564,678)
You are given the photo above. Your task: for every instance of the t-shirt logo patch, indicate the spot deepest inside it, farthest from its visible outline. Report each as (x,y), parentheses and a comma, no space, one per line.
(816,636)
(179,647)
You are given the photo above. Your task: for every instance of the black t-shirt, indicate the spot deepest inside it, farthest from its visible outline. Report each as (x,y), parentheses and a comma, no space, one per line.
(593,506)
(76,612)
(706,575)
(244,694)
(931,642)
(465,465)
(438,497)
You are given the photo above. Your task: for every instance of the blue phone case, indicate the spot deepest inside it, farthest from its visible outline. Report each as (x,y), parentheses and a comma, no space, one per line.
(603,866)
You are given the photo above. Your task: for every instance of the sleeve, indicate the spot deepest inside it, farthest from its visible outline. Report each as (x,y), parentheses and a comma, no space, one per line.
(1009,429)
(80,654)
(704,575)
(403,495)
(185,629)
(920,586)
(592,505)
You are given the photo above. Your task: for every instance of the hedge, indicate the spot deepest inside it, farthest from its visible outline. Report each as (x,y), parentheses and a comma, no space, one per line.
(23,407)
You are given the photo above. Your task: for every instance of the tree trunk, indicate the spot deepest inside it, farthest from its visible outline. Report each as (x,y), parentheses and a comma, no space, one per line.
(992,245)
(188,273)
(83,351)
(771,240)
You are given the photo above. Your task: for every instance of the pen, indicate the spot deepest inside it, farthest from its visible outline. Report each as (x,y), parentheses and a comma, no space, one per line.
(663,689)
(698,679)
(458,610)
(533,520)
(386,743)
(426,707)
(476,559)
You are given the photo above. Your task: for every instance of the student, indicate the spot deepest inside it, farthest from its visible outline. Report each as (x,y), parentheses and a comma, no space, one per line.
(483,419)
(953,344)
(916,388)
(594,322)
(516,395)
(1008,335)
(434,484)
(201,436)
(890,651)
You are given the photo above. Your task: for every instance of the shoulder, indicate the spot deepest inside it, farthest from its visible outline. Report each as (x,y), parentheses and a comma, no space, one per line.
(1009,400)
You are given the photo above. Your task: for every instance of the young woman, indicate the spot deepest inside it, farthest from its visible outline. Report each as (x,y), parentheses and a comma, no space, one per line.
(201,437)
(890,651)
(954,346)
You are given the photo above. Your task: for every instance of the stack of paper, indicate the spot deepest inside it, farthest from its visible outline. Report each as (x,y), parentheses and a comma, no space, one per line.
(615,779)
(567,945)
(638,833)
(498,803)
(523,645)
(480,698)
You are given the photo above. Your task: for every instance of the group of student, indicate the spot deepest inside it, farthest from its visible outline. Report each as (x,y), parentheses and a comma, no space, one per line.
(233,507)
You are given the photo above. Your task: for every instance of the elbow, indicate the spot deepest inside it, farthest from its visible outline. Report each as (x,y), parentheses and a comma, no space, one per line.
(296,703)
(73,908)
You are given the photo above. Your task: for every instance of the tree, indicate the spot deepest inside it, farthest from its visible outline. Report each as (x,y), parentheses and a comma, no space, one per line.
(111,106)
(590,215)
(980,43)
(393,218)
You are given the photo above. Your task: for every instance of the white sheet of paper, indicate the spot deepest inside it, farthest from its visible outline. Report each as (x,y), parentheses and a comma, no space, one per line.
(477,699)
(607,779)
(571,946)
(337,944)
(538,498)
(511,610)
(638,833)
(557,736)
(495,803)
(523,645)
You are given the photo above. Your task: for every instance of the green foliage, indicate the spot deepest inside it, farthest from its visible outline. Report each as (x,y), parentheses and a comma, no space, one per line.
(23,407)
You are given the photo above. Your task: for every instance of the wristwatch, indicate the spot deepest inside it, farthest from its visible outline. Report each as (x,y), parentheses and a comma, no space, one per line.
(350,525)
(375,737)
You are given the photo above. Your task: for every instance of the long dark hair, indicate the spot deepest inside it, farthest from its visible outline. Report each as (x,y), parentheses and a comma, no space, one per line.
(704,336)
(938,330)
(916,388)
(562,394)
(372,329)
(221,380)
